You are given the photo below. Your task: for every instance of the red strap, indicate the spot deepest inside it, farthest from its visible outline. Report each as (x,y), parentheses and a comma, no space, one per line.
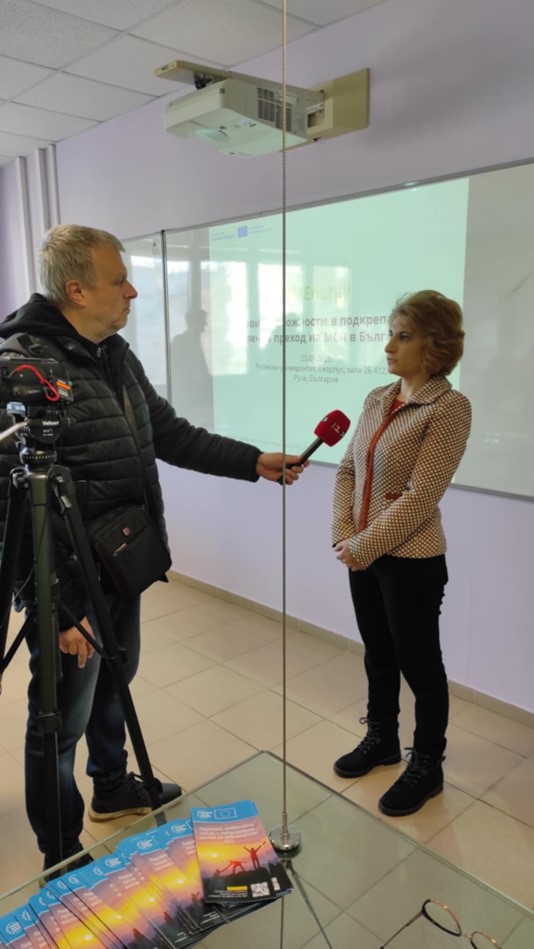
(52,394)
(369,464)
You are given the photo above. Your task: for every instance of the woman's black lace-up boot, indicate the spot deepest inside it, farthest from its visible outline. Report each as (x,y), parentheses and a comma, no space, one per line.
(422,779)
(380,746)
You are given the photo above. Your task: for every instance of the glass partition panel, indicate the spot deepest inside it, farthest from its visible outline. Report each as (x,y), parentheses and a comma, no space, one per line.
(146,330)
(220,294)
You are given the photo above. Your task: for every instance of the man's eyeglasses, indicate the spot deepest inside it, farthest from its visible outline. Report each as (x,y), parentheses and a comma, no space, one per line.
(444,918)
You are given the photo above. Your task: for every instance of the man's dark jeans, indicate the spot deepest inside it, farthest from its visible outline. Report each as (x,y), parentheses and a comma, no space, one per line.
(89,703)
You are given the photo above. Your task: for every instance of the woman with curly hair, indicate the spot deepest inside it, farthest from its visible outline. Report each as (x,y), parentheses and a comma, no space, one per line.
(387,530)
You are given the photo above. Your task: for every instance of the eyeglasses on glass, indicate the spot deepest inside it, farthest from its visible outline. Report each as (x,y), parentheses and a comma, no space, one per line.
(443,917)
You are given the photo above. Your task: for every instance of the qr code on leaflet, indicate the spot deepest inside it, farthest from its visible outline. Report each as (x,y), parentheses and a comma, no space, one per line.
(259,889)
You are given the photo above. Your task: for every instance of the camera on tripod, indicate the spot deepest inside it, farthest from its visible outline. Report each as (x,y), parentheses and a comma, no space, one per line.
(34,391)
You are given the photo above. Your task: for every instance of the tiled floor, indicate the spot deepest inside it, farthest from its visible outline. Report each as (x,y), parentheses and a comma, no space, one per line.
(208,694)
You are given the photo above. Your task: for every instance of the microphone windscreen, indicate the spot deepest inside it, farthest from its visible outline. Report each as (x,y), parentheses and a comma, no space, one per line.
(332,427)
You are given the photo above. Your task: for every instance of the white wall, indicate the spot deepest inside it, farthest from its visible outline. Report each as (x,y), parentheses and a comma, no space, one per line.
(451,90)
(14,284)
(28,207)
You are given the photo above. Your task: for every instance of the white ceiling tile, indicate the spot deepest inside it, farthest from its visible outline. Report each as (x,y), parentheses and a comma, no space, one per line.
(51,126)
(16,77)
(83,97)
(119,14)
(40,35)
(227,33)
(97,73)
(129,62)
(321,12)
(15,145)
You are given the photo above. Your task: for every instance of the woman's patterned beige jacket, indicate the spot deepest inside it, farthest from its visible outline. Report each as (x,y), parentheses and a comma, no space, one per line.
(388,503)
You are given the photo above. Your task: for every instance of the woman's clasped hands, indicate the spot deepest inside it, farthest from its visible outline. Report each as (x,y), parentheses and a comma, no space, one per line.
(343,553)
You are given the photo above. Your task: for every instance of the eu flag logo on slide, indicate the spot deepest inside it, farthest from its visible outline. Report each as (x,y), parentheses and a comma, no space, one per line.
(242,230)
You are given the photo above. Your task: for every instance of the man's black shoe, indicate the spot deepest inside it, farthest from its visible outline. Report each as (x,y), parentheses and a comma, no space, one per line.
(422,780)
(129,797)
(380,746)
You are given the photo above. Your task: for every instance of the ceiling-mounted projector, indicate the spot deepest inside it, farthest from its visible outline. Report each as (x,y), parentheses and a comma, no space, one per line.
(237,114)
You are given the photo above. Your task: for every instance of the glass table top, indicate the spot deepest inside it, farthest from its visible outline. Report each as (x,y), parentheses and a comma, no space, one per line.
(356,880)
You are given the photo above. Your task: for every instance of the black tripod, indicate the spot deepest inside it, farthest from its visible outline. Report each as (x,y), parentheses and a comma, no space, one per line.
(34,482)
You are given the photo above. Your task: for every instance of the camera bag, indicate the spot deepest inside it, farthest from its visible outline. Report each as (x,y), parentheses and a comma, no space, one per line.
(127,541)
(129,548)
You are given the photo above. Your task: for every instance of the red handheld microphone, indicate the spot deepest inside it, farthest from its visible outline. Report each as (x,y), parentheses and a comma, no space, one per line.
(329,431)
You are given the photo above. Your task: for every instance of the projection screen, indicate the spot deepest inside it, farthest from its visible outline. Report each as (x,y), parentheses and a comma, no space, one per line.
(211,300)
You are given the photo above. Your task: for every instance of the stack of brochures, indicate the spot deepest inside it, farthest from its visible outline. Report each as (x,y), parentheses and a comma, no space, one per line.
(165,888)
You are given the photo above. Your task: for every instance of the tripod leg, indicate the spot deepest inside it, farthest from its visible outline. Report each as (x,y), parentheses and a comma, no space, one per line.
(10,557)
(65,489)
(48,718)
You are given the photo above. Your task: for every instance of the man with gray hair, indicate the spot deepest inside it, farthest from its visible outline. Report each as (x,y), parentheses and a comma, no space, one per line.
(86,301)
